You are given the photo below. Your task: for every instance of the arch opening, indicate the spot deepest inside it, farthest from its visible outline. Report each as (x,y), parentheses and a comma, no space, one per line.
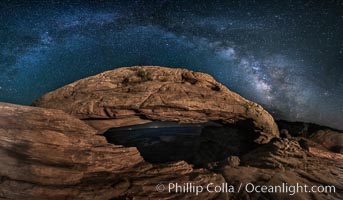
(198,144)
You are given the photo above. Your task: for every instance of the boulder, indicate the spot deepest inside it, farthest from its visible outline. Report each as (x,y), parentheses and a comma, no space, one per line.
(330,139)
(320,137)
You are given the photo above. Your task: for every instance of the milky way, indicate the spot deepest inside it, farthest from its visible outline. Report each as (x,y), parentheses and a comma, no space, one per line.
(286,56)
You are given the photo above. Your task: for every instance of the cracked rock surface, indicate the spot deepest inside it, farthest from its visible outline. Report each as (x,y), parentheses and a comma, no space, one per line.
(48,154)
(57,150)
(133,95)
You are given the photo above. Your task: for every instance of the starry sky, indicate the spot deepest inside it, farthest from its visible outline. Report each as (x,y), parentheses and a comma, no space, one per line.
(285,55)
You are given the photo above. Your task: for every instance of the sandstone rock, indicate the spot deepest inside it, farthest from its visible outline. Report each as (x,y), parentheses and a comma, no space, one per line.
(114,98)
(48,154)
(330,139)
(233,161)
(284,133)
(320,137)
(283,161)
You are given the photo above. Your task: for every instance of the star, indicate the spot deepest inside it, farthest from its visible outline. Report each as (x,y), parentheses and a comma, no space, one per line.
(286,58)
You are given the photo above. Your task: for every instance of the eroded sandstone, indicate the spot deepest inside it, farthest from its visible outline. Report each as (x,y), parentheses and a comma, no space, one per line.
(121,96)
(58,151)
(48,154)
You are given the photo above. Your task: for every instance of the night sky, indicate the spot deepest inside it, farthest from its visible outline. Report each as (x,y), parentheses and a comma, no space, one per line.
(285,55)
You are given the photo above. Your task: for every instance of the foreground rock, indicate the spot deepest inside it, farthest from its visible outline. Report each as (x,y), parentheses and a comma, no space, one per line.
(134,95)
(47,154)
(282,162)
